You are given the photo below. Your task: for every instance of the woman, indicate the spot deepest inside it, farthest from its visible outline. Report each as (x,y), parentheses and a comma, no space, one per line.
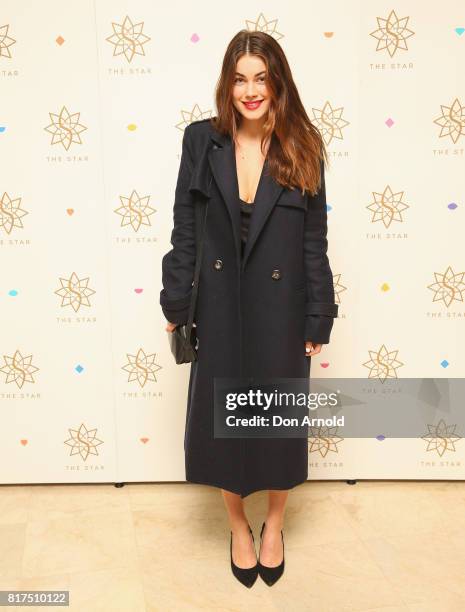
(265,300)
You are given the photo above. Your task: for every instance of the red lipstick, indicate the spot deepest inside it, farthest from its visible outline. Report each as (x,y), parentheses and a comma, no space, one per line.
(252,105)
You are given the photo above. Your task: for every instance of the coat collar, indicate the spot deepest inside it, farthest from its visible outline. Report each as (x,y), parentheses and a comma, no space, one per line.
(218,161)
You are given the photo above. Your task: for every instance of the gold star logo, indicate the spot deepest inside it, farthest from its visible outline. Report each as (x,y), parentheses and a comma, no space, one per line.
(441,438)
(323,440)
(448,287)
(387,206)
(392,33)
(141,367)
(383,364)
(452,121)
(75,292)
(194,115)
(5,42)
(18,369)
(11,213)
(338,288)
(261,24)
(135,211)
(128,39)
(65,128)
(83,442)
(329,122)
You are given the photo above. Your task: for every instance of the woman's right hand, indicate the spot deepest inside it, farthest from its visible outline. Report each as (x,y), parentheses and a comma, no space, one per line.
(170,326)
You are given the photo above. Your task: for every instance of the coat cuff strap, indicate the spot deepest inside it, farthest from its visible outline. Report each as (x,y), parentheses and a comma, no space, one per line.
(175,310)
(321,308)
(179,317)
(175,304)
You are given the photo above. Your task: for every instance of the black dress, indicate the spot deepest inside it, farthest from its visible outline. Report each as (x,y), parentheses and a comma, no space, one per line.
(246,212)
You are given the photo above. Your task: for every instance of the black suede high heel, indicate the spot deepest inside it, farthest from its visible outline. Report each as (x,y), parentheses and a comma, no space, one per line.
(270,575)
(247,576)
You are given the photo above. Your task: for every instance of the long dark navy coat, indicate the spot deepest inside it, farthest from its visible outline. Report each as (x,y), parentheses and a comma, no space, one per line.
(254,312)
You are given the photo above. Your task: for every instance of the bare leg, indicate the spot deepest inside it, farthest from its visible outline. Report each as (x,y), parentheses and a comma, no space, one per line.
(271,553)
(243,550)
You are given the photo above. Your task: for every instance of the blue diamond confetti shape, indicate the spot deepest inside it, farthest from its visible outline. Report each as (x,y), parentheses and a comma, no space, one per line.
(444,363)
(79,369)
(13,293)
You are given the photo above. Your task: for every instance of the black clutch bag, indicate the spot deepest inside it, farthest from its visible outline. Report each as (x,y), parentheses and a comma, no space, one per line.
(183,339)
(183,347)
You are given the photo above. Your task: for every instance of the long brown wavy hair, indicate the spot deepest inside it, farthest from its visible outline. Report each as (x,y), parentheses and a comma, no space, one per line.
(296,146)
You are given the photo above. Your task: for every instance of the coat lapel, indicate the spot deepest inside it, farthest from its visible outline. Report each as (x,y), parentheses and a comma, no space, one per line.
(222,162)
(222,166)
(268,192)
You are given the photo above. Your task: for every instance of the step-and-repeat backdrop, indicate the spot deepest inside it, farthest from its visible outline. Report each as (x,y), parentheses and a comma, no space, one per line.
(95,96)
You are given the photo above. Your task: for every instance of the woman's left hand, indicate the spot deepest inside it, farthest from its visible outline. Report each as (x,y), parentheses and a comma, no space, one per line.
(312,349)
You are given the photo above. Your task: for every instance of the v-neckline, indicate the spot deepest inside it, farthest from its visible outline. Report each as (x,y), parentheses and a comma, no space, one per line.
(233,147)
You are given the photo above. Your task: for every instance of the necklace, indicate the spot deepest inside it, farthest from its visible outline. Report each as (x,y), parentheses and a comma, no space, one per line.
(242,155)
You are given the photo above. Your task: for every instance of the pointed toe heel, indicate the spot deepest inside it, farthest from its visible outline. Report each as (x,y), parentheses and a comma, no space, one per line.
(246,576)
(270,575)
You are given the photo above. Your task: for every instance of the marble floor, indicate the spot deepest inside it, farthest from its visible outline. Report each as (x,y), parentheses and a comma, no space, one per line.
(376,546)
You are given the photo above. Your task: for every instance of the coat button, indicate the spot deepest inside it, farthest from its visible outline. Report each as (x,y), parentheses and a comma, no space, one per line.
(218,265)
(276,274)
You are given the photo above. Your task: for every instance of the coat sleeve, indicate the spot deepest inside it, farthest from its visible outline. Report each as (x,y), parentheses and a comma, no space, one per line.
(179,263)
(320,306)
